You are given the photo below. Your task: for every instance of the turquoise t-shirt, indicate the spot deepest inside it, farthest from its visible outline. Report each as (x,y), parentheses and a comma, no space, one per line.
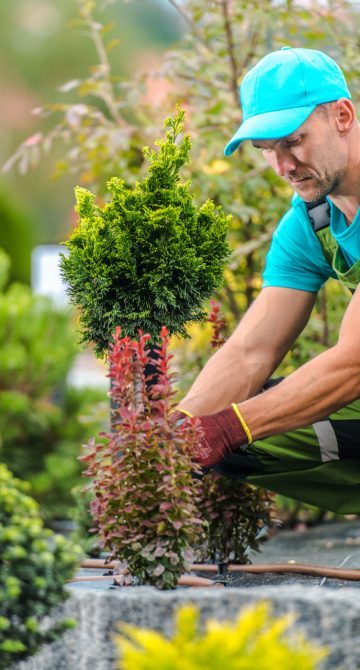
(295,258)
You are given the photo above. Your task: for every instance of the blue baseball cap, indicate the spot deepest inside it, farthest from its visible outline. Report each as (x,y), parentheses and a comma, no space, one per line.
(282,90)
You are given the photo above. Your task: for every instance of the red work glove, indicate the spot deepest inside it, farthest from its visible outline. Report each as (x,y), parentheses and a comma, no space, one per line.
(224,432)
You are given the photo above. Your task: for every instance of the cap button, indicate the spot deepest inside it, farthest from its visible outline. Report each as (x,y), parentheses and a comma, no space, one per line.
(282,48)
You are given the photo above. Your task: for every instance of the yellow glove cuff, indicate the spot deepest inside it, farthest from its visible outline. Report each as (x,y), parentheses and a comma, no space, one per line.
(242,421)
(183,411)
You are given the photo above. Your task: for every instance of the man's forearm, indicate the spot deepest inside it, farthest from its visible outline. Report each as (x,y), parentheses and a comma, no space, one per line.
(321,386)
(329,382)
(241,367)
(228,376)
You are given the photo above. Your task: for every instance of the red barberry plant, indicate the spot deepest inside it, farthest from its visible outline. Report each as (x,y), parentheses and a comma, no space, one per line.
(218,321)
(234,515)
(233,512)
(146,503)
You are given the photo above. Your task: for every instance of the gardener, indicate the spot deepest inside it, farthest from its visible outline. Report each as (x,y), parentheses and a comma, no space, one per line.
(300,437)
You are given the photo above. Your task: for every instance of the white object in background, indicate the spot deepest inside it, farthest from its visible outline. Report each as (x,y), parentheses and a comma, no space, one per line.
(45,272)
(88,371)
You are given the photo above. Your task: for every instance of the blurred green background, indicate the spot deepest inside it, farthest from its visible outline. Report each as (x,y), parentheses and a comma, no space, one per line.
(41,48)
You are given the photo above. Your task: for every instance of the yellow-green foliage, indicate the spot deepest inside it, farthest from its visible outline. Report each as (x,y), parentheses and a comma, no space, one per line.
(254,641)
(34,566)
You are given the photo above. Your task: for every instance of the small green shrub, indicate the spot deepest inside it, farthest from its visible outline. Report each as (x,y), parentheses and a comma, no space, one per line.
(77,415)
(42,421)
(148,258)
(17,235)
(34,565)
(254,641)
(4,268)
(37,342)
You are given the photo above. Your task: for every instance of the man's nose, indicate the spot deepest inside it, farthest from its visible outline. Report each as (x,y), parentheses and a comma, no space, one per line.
(283,162)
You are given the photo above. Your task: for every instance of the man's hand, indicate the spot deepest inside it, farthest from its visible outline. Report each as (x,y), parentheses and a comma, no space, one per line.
(223,432)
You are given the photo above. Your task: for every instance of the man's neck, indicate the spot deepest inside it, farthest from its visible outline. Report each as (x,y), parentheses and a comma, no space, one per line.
(347,204)
(347,196)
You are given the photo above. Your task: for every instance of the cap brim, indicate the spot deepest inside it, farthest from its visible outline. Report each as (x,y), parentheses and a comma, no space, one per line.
(269,126)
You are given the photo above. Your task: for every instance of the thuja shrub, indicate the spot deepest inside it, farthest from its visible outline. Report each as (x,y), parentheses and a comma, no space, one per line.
(149,257)
(34,566)
(234,513)
(256,639)
(145,507)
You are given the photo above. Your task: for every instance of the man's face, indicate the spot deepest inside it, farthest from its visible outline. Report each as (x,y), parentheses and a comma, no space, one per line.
(312,159)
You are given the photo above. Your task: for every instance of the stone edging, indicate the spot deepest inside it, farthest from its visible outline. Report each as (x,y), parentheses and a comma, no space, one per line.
(327,617)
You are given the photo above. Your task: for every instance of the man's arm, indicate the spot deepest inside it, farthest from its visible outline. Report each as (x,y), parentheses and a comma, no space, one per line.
(321,386)
(240,368)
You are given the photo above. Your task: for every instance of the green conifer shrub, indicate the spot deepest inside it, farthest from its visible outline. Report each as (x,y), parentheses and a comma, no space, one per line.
(149,257)
(34,565)
(256,640)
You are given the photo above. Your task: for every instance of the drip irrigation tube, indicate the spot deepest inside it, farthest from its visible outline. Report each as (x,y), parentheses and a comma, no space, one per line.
(184,580)
(299,568)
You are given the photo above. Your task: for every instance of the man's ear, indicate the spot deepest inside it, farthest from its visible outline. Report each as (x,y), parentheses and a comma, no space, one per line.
(344,114)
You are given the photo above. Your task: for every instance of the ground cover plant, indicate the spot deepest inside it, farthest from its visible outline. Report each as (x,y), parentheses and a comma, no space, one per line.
(34,565)
(256,639)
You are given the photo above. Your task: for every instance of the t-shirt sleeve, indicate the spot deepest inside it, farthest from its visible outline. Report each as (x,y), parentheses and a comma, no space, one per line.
(295,258)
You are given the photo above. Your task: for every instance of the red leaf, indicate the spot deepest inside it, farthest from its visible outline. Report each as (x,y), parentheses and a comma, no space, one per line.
(165,506)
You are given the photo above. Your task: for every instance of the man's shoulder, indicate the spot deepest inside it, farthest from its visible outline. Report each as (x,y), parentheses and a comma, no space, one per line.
(295,258)
(295,222)
(296,201)
(298,208)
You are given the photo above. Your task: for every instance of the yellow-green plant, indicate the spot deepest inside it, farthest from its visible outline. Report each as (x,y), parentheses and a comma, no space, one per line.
(34,566)
(255,640)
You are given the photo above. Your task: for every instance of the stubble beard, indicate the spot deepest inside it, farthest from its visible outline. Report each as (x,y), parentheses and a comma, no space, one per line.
(320,188)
